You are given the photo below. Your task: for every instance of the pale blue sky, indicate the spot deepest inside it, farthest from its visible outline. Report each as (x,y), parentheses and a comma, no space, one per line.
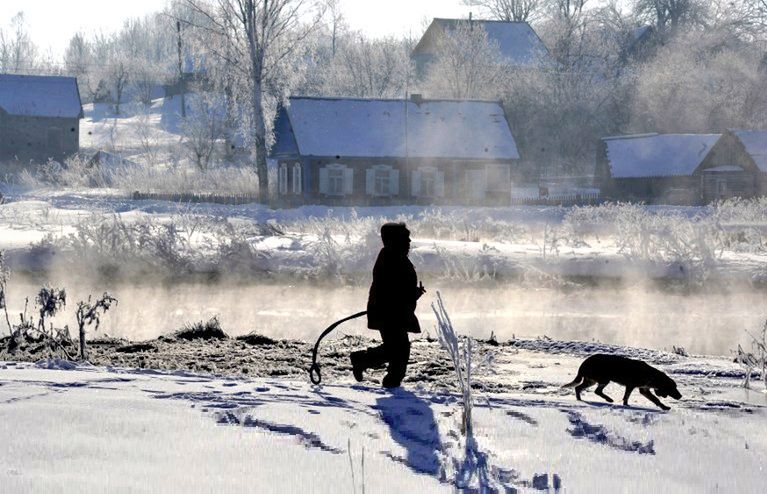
(52,22)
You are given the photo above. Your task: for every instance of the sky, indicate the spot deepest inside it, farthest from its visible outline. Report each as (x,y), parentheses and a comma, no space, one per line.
(51,23)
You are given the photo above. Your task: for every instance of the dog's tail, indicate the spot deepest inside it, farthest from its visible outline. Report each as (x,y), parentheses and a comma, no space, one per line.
(575,381)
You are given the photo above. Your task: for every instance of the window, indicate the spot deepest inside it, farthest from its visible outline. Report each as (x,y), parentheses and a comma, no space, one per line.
(428,182)
(282,179)
(336,181)
(297,178)
(382,181)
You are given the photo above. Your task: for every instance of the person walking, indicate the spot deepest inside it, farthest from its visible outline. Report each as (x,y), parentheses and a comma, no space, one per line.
(391,308)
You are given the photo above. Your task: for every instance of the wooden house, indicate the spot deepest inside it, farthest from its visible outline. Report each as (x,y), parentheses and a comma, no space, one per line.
(653,168)
(39,117)
(519,45)
(684,168)
(379,151)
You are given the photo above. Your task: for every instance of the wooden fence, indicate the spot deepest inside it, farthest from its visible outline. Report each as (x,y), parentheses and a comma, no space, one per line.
(588,199)
(229,199)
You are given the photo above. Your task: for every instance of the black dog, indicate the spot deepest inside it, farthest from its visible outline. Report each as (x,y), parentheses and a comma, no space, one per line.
(601,369)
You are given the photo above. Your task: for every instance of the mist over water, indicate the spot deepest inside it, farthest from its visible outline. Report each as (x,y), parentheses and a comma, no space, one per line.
(705,323)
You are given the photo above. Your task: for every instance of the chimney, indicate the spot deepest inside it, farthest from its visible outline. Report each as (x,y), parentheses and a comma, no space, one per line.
(416,98)
(471,23)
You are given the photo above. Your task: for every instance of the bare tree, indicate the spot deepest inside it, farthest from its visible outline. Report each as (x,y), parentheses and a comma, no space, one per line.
(259,39)
(668,15)
(509,10)
(17,51)
(337,22)
(367,69)
(467,64)
(203,127)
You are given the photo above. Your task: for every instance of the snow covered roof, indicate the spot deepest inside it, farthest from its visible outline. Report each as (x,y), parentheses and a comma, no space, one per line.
(40,96)
(657,155)
(377,128)
(755,142)
(517,41)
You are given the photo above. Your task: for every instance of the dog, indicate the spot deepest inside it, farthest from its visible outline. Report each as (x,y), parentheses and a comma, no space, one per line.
(601,369)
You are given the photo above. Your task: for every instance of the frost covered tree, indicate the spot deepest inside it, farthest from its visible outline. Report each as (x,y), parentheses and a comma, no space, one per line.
(261,41)
(203,127)
(509,10)
(467,65)
(18,53)
(365,68)
(702,81)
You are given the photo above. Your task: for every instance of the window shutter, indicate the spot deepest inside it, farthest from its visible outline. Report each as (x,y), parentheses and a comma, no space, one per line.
(439,185)
(370,174)
(415,184)
(348,181)
(394,182)
(323,180)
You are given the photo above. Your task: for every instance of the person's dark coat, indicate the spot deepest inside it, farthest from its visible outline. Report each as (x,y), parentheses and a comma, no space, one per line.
(393,293)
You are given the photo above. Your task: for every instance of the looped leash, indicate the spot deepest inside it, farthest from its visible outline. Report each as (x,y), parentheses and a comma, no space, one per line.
(314,371)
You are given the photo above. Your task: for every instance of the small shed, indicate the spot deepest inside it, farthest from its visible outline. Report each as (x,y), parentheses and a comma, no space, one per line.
(654,168)
(518,43)
(39,117)
(393,151)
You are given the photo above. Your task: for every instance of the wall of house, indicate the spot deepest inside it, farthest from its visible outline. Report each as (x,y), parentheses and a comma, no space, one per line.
(38,138)
(452,174)
(728,151)
(654,190)
(717,186)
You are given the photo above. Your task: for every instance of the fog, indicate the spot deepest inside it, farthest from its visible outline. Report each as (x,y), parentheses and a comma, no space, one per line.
(638,315)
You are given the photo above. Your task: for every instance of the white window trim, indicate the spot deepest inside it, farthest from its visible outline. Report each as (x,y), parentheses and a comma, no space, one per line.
(297,178)
(282,179)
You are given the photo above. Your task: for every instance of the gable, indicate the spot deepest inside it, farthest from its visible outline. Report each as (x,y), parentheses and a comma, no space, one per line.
(40,96)
(755,144)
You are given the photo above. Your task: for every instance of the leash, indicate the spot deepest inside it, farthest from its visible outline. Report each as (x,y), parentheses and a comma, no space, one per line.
(314,370)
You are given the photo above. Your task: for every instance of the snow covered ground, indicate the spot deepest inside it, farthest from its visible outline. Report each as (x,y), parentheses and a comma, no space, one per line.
(67,427)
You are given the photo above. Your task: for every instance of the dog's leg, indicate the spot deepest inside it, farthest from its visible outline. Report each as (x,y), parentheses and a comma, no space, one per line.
(600,389)
(587,383)
(626,395)
(648,394)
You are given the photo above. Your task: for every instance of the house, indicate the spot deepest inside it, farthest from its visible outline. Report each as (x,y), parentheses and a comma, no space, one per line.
(39,117)
(736,166)
(653,168)
(683,168)
(518,43)
(396,151)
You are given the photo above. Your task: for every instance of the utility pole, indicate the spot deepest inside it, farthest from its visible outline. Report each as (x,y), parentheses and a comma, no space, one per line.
(181,84)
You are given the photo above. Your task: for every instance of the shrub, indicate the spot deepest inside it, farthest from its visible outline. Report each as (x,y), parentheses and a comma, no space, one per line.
(210,330)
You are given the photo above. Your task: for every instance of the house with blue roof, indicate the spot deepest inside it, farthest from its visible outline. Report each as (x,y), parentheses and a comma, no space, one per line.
(518,43)
(39,117)
(350,151)
(683,168)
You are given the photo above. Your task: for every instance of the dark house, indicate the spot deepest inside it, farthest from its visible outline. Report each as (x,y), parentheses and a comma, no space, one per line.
(518,43)
(736,166)
(683,168)
(39,117)
(653,168)
(376,151)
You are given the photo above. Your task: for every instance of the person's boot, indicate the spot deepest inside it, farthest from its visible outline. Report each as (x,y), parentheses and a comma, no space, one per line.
(358,365)
(390,381)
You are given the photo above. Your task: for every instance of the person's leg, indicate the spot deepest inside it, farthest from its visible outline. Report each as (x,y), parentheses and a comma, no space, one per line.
(369,358)
(397,347)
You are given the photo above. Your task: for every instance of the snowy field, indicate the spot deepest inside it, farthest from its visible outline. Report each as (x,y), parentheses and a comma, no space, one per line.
(67,427)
